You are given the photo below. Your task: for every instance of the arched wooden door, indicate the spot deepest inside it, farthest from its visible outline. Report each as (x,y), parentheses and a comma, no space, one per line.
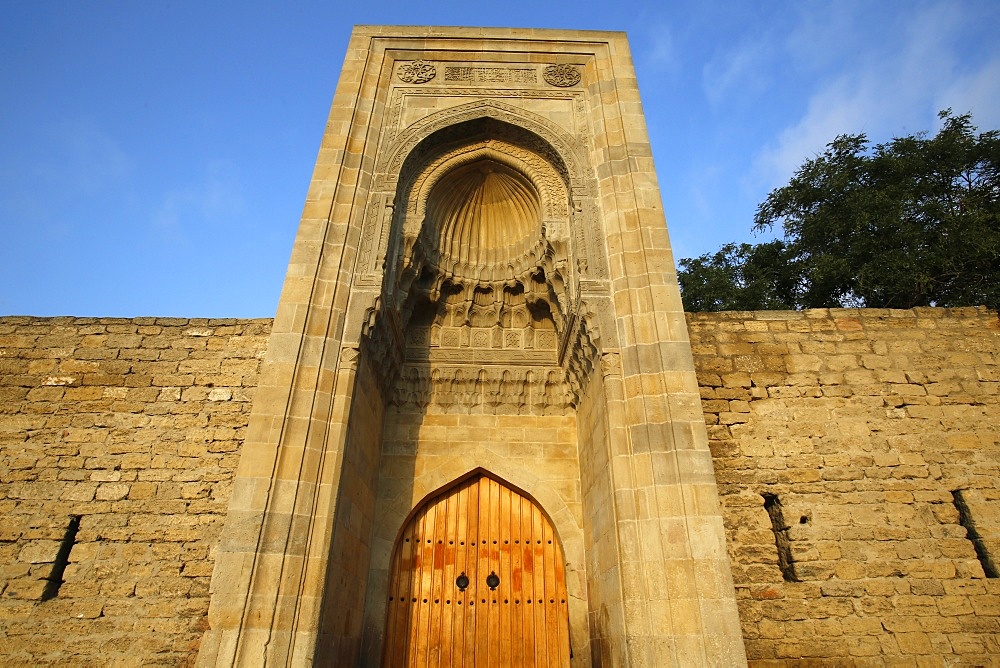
(509,609)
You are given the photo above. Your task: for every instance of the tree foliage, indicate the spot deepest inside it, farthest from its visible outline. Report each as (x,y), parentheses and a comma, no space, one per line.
(911,222)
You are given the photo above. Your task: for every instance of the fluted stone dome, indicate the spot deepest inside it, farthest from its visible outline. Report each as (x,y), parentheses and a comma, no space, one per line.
(484,214)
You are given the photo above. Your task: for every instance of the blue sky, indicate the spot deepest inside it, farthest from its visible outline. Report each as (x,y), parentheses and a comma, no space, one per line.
(154,157)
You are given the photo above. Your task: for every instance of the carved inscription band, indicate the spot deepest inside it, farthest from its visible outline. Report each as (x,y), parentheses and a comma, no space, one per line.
(491,74)
(419,71)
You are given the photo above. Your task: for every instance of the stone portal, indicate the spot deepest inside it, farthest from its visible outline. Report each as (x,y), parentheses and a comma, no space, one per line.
(481,291)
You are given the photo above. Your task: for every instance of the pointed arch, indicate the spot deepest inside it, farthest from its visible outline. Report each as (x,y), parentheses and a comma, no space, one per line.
(557,145)
(541,492)
(477,571)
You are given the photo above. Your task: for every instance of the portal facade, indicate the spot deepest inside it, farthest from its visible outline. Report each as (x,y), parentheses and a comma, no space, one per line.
(480,342)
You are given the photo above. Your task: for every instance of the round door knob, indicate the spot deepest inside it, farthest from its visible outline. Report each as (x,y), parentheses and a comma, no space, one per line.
(493,580)
(462,581)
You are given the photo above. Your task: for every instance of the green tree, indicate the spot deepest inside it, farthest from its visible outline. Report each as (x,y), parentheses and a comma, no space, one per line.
(740,277)
(911,222)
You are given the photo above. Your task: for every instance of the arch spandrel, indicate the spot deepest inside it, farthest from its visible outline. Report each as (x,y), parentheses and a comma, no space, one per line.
(558,146)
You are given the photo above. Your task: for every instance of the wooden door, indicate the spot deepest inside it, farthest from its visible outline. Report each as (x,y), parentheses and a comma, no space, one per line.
(492,535)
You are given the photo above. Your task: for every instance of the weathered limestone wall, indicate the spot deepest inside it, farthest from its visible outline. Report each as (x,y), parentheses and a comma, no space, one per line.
(859,426)
(347,576)
(605,604)
(134,426)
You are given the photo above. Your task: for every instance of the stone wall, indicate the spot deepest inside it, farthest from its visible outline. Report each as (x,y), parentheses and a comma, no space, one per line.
(865,432)
(134,427)
(347,570)
(872,437)
(606,613)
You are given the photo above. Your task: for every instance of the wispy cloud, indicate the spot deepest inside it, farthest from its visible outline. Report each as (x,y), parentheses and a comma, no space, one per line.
(664,51)
(55,171)
(93,159)
(739,70)
(215,200)
(977,92)
(656,48)
(885,86)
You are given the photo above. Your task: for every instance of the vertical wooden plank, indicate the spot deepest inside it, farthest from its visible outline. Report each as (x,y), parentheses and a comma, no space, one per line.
(427,586)
(397,633)
(504,571)
(434,635)
(413,613)
(527,621)
(516,576)
(482,570)
(536,636)
(413,578)
(416,590)
(493,596)
(444,584)
(400,636)
(472,551)
(458,565)
(562,599)
(458,545)
(549,600)
(406,589)
(538,586)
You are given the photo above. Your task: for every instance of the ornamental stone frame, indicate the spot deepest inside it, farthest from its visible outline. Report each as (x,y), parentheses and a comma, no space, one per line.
(399,363)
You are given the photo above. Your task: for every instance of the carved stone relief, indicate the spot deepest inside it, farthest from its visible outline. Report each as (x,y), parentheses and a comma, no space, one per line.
(561,75)
(580,113)
(536,390)
(348,355)
(491,74)
(539,171)
(611,364)
(399,96)
(592,256)
(416,72)
(374,235)
(544,138)
(463,328)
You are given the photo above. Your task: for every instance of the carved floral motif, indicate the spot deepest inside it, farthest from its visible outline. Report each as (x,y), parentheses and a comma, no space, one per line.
(561,75)
(417,72)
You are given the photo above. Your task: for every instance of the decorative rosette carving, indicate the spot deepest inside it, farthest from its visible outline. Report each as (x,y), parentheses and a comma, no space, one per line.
(419,71)
(561,75)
